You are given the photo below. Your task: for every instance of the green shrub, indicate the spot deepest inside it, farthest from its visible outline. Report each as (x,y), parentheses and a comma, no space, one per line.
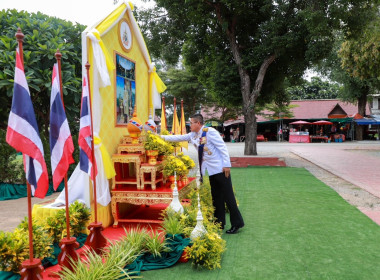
(14,246)
(172,223)
(108,266)
(13,250)
(206,251)
(155,244)
(136,237)
(79,216)
(11,165)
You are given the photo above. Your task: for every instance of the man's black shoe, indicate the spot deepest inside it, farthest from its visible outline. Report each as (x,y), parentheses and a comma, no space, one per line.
(233,230)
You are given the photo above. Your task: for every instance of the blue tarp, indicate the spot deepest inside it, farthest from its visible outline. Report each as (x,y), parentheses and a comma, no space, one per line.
(367,121)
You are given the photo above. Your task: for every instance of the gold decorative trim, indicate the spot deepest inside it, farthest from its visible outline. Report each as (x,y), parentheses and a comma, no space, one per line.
(130,148)
(121,39)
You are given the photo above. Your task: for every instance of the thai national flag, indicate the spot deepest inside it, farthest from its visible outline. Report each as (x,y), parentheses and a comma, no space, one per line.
(84,141)
(61,143)
(23,134)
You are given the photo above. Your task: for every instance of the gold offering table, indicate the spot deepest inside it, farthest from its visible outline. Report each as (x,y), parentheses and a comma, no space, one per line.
(125,173)
(129,194)
(152,173)
(128,186)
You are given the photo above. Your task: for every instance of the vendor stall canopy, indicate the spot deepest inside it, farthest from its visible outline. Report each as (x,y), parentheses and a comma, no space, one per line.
(368,121)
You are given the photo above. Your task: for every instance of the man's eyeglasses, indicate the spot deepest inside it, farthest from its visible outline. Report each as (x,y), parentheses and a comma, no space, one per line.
(193,123)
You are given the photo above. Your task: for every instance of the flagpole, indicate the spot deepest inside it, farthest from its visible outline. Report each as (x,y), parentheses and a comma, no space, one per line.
(166,120)
(68,255)
(95,239)
(32,268)
(174,122)
(182,120)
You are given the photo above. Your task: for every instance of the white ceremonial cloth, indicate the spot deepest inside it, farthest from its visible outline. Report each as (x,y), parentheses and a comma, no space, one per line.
(79,185)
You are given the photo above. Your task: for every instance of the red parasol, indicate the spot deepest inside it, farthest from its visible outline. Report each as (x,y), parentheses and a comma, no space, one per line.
(322,122)
(300,122)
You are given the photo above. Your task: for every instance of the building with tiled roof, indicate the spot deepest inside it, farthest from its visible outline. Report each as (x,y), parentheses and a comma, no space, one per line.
(308,110)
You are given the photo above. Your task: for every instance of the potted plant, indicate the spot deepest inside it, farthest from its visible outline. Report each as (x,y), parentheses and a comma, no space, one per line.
(154,146)
(151,145)
(189,163)
(173,164)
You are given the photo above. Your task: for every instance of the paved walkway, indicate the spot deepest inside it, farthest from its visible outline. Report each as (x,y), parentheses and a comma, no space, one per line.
(353,165)
(357,163)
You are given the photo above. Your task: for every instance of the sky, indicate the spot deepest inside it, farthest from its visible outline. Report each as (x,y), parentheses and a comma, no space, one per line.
(86,12)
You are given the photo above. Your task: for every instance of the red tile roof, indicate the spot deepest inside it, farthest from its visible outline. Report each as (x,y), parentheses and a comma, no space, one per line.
(306,109)
(319,109)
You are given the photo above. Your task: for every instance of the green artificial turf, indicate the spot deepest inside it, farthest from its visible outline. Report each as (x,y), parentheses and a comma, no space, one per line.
(296,227)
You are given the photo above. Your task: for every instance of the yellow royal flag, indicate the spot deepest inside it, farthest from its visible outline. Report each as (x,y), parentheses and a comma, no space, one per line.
(163,118)
(175,128)
(183,128)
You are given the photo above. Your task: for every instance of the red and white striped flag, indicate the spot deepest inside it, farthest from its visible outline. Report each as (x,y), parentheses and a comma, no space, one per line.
(85,156)
(61,143)
(23,133)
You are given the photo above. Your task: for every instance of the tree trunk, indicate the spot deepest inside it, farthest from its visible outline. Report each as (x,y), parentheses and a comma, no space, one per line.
(250,147)
(362,103)
(249,97)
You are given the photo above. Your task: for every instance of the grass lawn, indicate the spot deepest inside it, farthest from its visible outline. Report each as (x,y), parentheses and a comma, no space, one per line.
(296,227)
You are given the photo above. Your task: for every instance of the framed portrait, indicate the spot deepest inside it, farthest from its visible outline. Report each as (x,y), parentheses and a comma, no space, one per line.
(125,89)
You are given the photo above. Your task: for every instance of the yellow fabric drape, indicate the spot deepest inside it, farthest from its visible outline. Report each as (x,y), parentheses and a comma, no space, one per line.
(107,162)
(108,21)
(161,87)
(109,62)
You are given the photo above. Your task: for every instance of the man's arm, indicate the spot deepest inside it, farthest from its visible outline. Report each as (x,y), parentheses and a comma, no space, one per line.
(176,138)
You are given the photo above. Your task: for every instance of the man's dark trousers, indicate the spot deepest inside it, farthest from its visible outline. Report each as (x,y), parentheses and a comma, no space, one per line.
(222,192)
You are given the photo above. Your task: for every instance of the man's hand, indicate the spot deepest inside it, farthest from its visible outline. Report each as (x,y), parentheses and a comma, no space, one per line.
(226,171)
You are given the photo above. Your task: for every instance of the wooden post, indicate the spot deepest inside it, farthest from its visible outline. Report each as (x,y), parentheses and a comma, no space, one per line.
(68,255)
(32,268)
(95,239)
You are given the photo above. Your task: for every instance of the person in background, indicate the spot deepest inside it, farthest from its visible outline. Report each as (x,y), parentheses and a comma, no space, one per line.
(213,156)
(236,135)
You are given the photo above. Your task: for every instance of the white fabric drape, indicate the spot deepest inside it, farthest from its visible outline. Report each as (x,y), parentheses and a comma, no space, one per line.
(79,185)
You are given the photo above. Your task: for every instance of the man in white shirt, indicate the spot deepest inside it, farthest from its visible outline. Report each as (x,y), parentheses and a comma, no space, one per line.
(213,157)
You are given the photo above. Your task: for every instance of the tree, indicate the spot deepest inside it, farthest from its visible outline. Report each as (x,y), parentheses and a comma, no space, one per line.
(315,89)
(181,84)
(360,59)
(353,62)
(257,43)
(43,36)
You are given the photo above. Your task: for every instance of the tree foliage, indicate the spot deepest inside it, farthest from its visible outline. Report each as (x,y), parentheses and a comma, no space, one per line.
(182,85)
(43,36)
(245,50)
(360,57)
(315,89)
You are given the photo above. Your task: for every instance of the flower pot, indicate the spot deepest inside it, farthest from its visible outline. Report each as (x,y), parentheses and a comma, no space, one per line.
(179,183)
(171,179)
(161,157)
(152,154)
